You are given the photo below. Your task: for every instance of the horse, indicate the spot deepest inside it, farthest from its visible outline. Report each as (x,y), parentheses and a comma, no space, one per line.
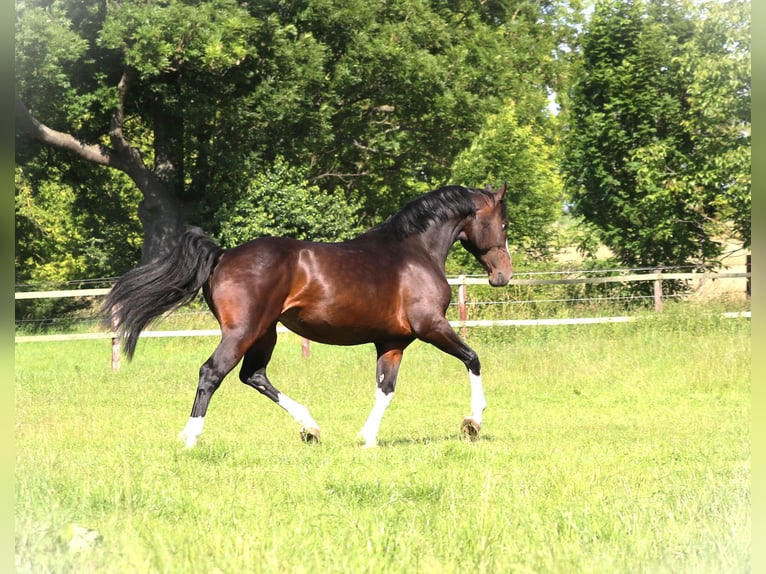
(386,286)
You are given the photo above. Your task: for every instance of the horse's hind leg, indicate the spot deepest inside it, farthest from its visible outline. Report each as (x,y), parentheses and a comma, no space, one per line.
(211,374)
(253,373)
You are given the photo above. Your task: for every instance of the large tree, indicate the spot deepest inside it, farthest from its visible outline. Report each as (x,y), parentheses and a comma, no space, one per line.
(519,156)
(658,149)
(192,99)
(112,79)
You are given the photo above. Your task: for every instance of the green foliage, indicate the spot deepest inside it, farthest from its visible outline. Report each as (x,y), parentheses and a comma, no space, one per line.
(655,166)
(47,53)
(717,67)
(374,98)
(365,104)
(172,36)
(68,230)
(281,202)
(45,225)
(505,151)
(73,223)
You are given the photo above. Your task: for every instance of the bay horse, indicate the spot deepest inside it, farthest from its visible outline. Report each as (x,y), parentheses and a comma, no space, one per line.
(386,287)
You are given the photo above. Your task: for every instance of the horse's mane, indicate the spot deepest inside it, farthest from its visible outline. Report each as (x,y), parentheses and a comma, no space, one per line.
(434,207)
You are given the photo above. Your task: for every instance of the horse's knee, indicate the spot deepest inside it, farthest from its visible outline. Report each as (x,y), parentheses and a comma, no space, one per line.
(473,363)
(210,378)
(387,385)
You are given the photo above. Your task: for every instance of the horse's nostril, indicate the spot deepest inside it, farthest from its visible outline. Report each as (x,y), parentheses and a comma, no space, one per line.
(498,279)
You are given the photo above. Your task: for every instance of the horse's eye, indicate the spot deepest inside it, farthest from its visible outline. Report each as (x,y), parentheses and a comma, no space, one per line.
(505,226)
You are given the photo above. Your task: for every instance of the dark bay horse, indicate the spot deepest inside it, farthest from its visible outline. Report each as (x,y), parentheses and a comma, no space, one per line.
(387,287)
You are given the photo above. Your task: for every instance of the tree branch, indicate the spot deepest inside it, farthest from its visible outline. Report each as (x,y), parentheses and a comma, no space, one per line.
(116,133)
(345,177)
(95,153)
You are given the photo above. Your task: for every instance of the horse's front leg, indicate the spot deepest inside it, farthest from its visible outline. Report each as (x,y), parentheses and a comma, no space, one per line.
(389,359)
(472,423)
(443,337)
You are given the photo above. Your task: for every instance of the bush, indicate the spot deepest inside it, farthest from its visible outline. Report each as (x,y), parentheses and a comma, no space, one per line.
(281,202)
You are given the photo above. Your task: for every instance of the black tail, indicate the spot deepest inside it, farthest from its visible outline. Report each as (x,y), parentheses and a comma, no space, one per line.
(148,291)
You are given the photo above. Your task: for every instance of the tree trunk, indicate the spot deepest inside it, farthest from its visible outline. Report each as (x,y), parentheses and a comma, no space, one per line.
(161,215)
(161,211)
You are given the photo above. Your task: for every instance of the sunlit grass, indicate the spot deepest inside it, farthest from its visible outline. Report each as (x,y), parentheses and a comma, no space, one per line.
(605,448)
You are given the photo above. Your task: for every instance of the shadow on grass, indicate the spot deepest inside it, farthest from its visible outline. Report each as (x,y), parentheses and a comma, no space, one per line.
(422,440)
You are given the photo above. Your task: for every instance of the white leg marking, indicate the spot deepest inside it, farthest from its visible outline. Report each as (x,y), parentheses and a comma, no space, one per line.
(192,430)
(478,402)
(370,429)
(297,411)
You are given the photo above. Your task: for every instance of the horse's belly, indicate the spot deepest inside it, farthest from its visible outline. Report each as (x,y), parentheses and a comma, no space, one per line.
(342,327)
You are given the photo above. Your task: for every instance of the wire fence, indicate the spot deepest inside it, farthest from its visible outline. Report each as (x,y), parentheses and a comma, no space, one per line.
(73,306)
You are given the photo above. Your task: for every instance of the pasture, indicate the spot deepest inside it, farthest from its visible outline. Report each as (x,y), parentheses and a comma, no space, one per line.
(605,448)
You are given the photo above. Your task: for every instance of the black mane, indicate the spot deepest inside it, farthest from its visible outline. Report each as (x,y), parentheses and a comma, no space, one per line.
(434,207)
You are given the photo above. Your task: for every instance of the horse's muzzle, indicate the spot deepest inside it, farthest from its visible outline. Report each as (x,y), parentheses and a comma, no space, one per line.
(497,262)
(499,279)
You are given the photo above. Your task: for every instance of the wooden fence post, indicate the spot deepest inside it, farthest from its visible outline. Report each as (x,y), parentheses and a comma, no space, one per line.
(462,310)
(305,347)
(658,291)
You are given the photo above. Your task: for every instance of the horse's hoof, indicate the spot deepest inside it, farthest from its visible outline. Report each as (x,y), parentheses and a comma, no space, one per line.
(310,435)
(470,429)
(189,440)
(370,443)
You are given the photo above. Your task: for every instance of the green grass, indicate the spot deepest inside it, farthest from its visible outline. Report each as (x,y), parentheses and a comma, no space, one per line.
(605,448)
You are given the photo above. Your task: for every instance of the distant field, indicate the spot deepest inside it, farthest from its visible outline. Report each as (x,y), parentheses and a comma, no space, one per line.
(605,448)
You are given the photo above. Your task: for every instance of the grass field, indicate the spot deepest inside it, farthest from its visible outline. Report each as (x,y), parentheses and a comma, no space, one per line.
(605,448)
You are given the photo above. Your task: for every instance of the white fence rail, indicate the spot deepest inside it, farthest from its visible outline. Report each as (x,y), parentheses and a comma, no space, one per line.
(462,282)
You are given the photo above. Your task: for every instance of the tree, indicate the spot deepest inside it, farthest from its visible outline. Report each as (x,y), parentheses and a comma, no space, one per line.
(658,91)
(280,202)
(112,77)
(192,100)
(716,67)
(505,151)
(54,211)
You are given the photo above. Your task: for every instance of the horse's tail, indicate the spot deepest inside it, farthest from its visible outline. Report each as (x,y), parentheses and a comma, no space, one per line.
(148,291)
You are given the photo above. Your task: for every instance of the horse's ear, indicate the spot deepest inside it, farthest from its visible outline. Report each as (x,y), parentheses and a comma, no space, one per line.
(500,193)
(488,187)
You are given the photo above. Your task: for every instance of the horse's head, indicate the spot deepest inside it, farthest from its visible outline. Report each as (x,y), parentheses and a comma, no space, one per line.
(484,235)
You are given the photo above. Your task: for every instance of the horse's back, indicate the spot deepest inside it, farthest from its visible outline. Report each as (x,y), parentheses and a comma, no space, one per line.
(264,258)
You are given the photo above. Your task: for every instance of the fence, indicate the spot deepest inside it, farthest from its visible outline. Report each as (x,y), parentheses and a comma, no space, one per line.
(462,282)
(657,277)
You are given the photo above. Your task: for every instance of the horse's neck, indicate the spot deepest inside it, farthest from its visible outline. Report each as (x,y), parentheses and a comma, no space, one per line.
(435,241)
(438,239)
